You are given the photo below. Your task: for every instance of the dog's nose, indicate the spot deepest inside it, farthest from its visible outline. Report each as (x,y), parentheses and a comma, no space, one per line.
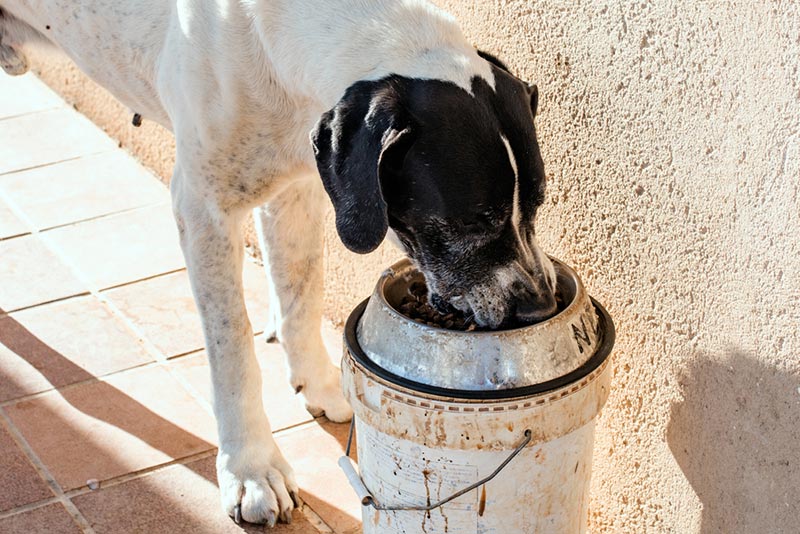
(536,307)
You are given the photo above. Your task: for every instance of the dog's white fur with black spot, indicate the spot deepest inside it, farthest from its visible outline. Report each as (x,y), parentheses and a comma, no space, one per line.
(243,84)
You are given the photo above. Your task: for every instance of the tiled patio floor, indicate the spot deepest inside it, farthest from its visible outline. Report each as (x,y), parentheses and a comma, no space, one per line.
(102,373)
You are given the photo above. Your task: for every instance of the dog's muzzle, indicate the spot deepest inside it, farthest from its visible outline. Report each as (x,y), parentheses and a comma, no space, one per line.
(513,294)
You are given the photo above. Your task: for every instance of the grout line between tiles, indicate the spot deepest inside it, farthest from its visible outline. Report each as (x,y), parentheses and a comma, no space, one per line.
(103,378)
(78,517)
(110,215)
(103,215)
(88,293)
(44,473)
(159,357)
(29,507)
(53,301)
(122,372)
(96,378)
(63,105)
(50,163)
(141,473)
(23,444)
(145,279)
(296,427)
(23,234)
(186,354)
(80,383)
(315,520)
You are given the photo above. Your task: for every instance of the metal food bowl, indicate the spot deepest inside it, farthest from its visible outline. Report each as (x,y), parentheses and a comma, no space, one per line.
(507,363)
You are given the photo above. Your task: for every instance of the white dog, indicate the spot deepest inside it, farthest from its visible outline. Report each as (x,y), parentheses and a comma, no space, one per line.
(410,129)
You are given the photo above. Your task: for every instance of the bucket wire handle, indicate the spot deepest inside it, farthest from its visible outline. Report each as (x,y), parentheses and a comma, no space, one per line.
(367,498)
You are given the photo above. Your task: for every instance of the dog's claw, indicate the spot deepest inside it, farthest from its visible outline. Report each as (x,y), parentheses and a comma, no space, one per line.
(237,514)
(295,500)
(271,520)
(314,411)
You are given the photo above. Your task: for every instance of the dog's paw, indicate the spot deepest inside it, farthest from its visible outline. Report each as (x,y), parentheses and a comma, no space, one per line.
(323,394)
(256,484)
(13,62)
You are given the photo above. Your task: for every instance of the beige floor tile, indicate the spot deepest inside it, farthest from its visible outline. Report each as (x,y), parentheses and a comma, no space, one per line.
(25,94)
(32,274)
(81,189)
(47,137)
(133,421)
(50,519)
(179,499)
(282,405)
(164,310)
(314,451)
(62,343)
(10,224)
(121,248)
(19,481)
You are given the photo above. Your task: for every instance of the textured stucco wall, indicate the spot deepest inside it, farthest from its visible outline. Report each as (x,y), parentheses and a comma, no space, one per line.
(671,137)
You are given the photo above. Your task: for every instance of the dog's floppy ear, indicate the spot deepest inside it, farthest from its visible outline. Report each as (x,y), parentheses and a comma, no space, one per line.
(354,143)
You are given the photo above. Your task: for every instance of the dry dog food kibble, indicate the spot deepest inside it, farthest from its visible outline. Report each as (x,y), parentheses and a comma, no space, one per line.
(415,306)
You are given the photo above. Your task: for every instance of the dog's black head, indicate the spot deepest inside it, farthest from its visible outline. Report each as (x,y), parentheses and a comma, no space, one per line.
(457,176)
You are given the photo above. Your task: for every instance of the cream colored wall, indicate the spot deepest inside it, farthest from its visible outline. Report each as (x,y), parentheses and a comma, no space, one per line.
(671,136)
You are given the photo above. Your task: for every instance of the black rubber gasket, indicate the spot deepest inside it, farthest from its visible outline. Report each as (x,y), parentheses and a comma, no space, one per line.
(605,329)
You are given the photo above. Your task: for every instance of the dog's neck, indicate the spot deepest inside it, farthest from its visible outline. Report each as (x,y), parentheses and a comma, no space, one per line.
(356,40)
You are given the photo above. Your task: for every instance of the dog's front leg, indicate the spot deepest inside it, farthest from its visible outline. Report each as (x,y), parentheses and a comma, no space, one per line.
(256,482)
(290,229)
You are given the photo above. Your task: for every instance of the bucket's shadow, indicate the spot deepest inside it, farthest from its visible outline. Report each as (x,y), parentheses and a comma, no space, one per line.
(736,437)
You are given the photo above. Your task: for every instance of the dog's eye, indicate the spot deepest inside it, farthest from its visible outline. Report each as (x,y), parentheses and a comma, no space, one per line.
(473,227)
(480,226)
(484,226)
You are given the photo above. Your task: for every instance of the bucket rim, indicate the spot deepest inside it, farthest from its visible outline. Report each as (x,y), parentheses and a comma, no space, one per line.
(606,331)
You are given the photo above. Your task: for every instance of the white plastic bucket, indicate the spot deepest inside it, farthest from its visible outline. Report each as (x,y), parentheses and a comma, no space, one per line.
(417,447)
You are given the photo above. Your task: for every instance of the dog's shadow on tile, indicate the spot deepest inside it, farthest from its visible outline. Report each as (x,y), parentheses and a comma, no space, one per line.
(54,425)
(59,435)
(736,437)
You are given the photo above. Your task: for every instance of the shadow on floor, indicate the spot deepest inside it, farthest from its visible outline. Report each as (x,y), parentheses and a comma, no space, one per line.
(116,408)
(736,437)
(148,500)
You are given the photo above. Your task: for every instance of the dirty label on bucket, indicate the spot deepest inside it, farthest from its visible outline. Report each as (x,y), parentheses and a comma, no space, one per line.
(444,519)
(400,473)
